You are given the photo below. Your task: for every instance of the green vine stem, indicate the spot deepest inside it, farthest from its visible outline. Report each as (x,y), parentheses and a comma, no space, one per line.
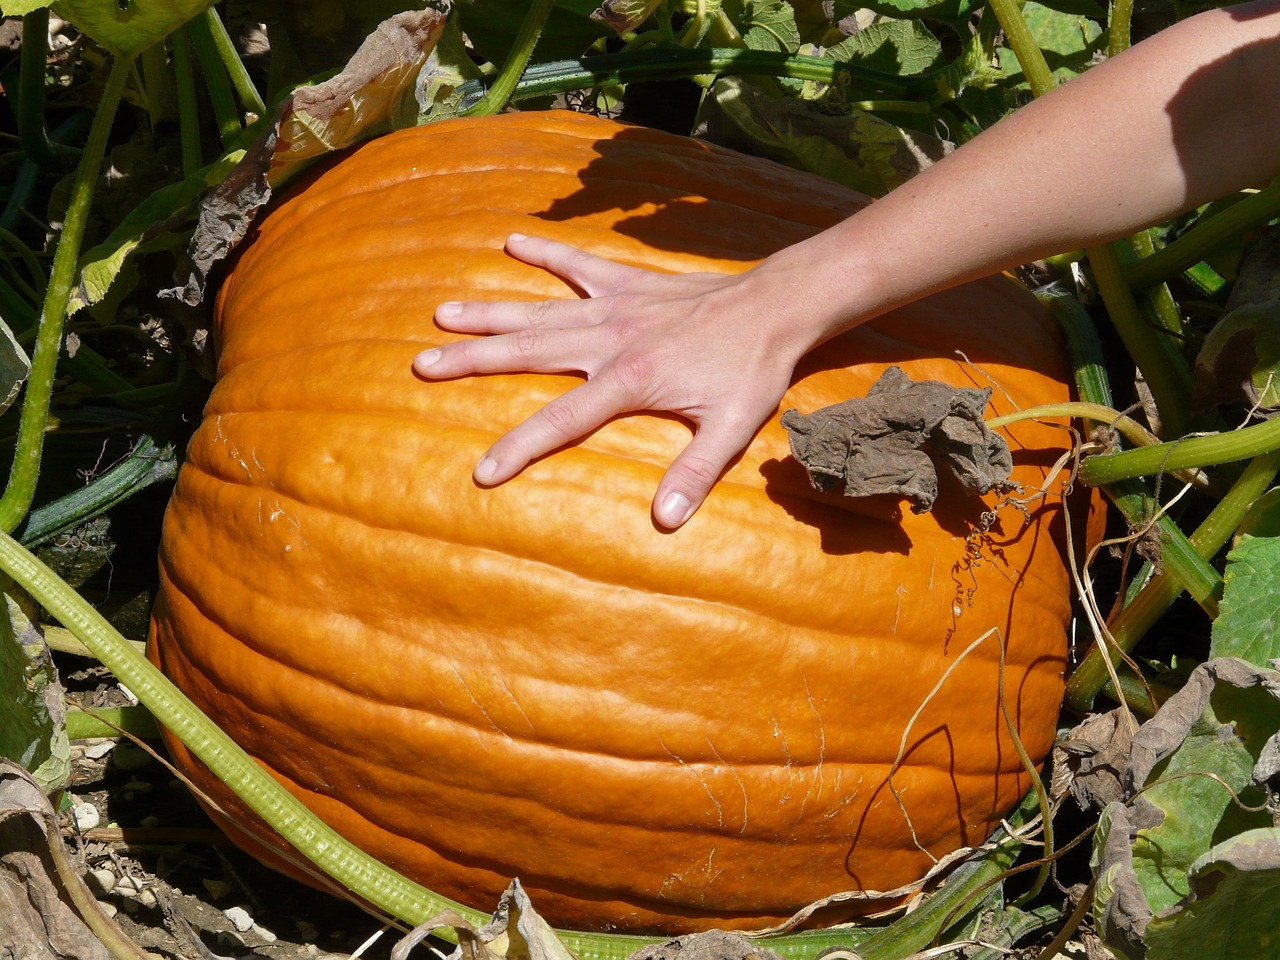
(672,63)
(35,407)
(1159,296)
(188,114)
(215,79)
(1166,372)
(32,134)
(1250,213)
(1160,592)
(1118,27)
(517,59)
(1188,452)
(111,722)
(1028,53)
(231,62)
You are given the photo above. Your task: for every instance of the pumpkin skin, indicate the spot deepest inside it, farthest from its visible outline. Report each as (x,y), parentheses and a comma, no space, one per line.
(654,731)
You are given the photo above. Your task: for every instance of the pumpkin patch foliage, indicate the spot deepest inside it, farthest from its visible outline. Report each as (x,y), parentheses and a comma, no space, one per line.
(526,719)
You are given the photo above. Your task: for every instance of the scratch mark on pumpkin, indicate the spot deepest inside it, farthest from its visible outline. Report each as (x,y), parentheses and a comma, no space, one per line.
(822,747)
(701,782)
(897,613)
(508,691)
(789,761)
(737,779)
(479,706)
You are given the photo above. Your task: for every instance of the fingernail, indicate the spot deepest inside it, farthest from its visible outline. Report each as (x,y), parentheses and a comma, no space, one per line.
(425,359)
(446,310)
(674,510)
(517,237)
(485,470)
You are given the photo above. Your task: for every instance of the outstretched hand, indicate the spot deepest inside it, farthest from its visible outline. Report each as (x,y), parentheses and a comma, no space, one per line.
(698,345)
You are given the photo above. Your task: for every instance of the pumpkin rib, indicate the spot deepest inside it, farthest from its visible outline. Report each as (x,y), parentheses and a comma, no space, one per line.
(580,572)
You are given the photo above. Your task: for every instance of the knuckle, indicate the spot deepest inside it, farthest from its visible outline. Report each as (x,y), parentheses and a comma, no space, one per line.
(562,417)
(538,313)
(527,344)
(702,471)
(634,373)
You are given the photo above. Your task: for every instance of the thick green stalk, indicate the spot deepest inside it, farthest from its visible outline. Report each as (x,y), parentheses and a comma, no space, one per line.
(1118,27)
(518,58)
(1159,593)
(1193,246)
(32,133)
(188,113)
(1203,451)
(1161,300)
(1165,371)
(232,63)
(35,407)
(1030,57)
(215,79)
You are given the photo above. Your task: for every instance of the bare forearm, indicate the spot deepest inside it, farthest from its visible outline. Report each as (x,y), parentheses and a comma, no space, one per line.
(1180,119)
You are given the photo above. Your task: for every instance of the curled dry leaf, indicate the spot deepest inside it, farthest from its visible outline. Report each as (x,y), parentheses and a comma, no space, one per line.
(516,932)
(894,439)
(373,94)
(36,923)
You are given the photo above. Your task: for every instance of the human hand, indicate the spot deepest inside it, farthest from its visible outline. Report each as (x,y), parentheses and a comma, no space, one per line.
(697,345)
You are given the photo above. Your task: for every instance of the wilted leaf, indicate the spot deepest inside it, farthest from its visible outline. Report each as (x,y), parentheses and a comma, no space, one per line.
(131,27)
(1230,911)
(859,150)
(1193,780)
(625,15)
(446,70)
(15,366)
(1248,622)
(373,94)
(32,712)
(1068,41)
(894,439)
(516,932)
(1239,360)
(712,945)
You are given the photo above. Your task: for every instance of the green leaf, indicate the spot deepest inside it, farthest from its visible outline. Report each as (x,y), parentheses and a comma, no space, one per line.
(1193,777)
(858,150)
(769,25)
(1069,42)
(131,27)
(955,12)
(1230,911)
(901,47)
(20,8)
(1239,360)
(1263,518)
(32,711)
(1248,622)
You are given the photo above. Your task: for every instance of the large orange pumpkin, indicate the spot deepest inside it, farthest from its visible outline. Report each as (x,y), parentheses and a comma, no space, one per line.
(653,731)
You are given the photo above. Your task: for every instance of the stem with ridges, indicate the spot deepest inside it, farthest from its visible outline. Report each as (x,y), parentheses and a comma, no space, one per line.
(35,407)
(1028,53)
(215,79)
(1201,240)
(30,106)
(188,115)
(232,63)
(1156,597)
(1188,452)
(517,60)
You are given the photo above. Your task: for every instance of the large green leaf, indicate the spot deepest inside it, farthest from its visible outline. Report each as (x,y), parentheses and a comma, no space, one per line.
(131,26)
(1194,781)
(901,47)
(955,12)
(1231,909)
(32,713)
(1248,623)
